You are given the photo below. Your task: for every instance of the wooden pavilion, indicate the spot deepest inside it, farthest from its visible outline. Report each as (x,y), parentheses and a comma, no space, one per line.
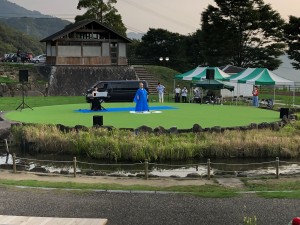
(87,42)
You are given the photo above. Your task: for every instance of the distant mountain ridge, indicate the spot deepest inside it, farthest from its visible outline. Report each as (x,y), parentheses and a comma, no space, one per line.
(36,24)
(137,36)
(9,9)
(32,23)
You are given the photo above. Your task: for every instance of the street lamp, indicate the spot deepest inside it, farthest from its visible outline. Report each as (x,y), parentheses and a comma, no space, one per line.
(162,59)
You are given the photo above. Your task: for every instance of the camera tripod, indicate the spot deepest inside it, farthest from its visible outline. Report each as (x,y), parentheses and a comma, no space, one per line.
(23,105)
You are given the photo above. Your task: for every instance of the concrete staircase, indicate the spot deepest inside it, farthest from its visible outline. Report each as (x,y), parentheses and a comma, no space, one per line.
(142,74)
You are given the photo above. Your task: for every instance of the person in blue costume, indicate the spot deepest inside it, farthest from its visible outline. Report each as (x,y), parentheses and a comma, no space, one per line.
(141,99)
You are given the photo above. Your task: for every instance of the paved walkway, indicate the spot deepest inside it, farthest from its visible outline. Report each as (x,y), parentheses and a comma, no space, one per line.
(29,220)
(231,182)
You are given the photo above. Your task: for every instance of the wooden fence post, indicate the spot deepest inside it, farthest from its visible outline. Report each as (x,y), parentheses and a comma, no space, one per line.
(208,169)
(74,165)
(146,169)
(7,151)
(277,167)
(14,164)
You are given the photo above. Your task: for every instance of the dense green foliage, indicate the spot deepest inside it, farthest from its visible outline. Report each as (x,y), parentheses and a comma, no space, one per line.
(12,40)
(38,28)
(158,43)
(183,51)
(22,29)
(292,36)
(105,12)
(242,33)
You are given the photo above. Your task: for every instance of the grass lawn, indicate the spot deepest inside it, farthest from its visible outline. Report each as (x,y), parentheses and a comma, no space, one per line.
(182,117)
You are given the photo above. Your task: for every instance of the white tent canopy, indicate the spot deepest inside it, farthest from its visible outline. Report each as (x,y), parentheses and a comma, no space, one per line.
(259,76)
(199,73)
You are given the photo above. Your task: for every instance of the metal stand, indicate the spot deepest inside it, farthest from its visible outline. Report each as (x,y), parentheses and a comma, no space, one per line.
(23,104)
(96,105)
(101,106)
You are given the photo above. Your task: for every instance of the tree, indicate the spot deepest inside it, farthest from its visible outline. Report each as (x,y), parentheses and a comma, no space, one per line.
(131,50)
(292,36)
(106,13)
(245,33)
(193,52)
(158,43)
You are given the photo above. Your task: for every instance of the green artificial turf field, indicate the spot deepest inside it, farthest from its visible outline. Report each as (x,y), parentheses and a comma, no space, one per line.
(183,117)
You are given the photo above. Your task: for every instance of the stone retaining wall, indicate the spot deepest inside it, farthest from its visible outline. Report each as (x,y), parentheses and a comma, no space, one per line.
(74,80)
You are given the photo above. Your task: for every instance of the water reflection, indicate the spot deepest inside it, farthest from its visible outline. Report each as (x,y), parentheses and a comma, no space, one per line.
(220,167)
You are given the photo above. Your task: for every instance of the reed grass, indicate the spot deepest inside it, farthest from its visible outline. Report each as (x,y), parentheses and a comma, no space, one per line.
(121,145)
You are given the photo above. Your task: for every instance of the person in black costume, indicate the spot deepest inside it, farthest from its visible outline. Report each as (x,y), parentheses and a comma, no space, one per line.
(95,102)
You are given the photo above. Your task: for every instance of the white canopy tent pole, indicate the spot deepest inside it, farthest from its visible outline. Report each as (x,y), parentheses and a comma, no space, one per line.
(294,96)
(237,93)
(190,95)
(274,95)
(174,90)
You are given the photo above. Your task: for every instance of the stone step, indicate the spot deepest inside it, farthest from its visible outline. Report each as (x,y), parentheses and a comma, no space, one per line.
(143,74)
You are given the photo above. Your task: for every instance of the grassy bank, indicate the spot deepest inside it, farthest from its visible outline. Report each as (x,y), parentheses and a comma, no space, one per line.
(121,145)
(266,188)
(11,103)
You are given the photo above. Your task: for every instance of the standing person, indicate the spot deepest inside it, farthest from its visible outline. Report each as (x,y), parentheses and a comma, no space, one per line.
(255,96)
(141,99)
(160,88)
(18,56)
(95,103)
(197,95)
(177,94)
(184,94)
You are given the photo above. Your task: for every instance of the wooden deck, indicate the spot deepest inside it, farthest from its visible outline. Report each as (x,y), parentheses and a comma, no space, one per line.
(25,220)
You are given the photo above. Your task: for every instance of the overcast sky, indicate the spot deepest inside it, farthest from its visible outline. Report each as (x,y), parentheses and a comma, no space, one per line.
(140,15)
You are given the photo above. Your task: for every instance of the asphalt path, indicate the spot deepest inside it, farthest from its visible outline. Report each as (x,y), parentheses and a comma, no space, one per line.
(124,208)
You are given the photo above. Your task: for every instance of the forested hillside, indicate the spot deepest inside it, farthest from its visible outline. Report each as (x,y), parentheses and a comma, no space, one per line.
(12,40)
(23,29)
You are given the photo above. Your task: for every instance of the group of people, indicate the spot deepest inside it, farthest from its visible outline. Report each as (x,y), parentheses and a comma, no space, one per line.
(181,92)
(141,97)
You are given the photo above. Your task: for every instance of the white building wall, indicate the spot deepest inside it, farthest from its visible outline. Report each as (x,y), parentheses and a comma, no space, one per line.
(122,50)
(53,50)
(91,51)
(105,49)
(74,51)
(239,89)
(50,50)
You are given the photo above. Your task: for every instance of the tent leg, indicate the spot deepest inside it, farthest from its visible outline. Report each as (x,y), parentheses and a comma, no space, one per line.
(294,97)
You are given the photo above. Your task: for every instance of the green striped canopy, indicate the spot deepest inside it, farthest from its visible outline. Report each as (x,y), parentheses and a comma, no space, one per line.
(199,73)
(259,76)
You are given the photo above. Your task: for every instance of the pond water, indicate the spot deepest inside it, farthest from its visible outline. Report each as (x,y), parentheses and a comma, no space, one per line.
(222,167)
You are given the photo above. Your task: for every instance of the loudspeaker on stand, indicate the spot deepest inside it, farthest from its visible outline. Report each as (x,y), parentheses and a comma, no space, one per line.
(23,76)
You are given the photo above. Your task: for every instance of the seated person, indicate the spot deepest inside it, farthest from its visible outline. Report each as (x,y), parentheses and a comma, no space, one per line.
(210,97)
(270,103)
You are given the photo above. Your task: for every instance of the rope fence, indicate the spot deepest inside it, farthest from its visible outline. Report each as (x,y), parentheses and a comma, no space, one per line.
(147,170)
